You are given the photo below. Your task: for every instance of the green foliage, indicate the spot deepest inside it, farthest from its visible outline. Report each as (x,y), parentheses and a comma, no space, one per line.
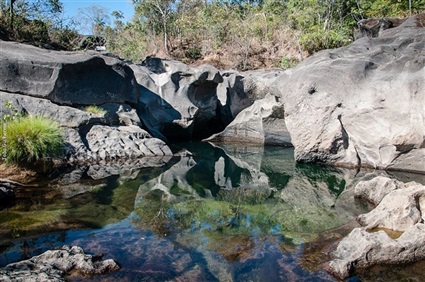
(66,36)
(193,53)
(288,62)
(13,113)
(389,8)
(240,31)
(315,41)
(29,139)
(95,110)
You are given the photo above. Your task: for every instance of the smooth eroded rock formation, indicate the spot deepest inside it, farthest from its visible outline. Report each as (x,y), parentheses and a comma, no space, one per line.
(178,102)
(113,142)
(400,209)
(362,105)
(263,121)
(363,249)
(66,78)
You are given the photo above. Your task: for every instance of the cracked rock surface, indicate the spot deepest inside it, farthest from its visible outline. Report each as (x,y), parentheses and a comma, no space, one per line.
(55,265)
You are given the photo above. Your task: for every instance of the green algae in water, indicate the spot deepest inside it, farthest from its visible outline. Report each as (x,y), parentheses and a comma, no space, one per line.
(222,213)
(7,216)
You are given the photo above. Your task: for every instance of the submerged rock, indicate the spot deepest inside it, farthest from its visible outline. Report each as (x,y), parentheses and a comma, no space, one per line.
(56,265)
(361,105)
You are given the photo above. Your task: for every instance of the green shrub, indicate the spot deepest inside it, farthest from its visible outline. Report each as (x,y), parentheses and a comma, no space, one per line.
(29,139)
(193,53)
(286,63)
(313,42)
(95,110)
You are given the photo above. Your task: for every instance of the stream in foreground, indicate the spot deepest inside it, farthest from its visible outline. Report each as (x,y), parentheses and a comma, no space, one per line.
(210,214)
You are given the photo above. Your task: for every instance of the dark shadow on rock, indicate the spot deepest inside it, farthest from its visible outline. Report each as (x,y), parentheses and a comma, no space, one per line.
(93,82)
(158,115)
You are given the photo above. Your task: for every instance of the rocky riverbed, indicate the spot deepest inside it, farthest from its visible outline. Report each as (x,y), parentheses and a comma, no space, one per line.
(360,106)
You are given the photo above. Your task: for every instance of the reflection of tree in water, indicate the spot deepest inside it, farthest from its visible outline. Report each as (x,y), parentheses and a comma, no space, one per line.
(152,213)
(316,174)
(30,247)
(234,205)
(244,195)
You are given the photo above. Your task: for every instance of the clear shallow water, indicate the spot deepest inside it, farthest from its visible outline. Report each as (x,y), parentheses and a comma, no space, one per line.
(211,214)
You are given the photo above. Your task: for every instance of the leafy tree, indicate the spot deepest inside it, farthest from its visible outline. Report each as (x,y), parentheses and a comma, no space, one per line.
(31,20)
(157,12)
(93,19)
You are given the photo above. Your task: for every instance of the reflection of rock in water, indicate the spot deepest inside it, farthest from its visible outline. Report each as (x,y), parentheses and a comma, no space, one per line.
(172,184)
(248,160)
(248,187)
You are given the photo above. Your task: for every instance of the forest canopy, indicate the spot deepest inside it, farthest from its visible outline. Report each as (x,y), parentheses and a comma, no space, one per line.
(241,34)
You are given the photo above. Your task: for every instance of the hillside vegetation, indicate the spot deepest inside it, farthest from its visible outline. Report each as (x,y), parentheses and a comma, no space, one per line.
(240,34)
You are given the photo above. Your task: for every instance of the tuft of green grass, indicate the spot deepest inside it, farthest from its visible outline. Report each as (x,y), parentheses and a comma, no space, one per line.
(95,110)
(31,138)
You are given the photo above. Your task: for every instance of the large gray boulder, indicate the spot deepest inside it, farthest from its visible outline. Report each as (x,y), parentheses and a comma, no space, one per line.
(112,135)
(179,102)
(55,265)
(374,190)
(65,116)
(66,78)
(399,210)
(362,249)
(362,105)
(59,86)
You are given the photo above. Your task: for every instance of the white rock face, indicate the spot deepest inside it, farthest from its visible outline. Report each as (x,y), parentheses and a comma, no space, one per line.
(363,249)
(262,122)
(401,209)
(361,105)
(376,189)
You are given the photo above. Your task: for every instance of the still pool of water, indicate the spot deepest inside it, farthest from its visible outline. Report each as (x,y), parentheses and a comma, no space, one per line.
(227,213)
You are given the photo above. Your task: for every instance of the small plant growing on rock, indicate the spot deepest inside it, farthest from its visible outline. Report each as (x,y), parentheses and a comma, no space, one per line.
(286,63)
(29,139)
(95,110)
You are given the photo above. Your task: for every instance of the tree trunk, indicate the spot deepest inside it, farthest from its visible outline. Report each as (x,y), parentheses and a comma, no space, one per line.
(164,26)
(11,13)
